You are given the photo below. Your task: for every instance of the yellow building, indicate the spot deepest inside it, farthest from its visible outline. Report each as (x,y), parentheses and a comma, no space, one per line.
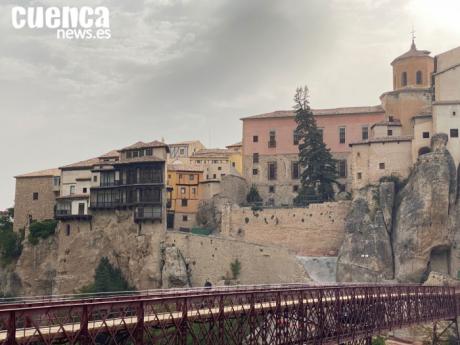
(184,195)
(236,156)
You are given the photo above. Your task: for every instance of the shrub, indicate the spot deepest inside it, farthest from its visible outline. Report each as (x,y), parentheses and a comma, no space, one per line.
(378,340)
(107,278)
(253,196)
(235,267)
(10,245)
(41,230)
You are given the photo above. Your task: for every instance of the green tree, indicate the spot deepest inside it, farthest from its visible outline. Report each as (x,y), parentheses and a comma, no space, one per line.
(319,171)
(10,241)
(253,195)
(107,279)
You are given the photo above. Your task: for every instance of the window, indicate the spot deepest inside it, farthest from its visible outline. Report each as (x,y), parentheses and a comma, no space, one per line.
(34,196)
(454,113)
(390,132)
(418,77)
(321,133)
(56,181)
(129,154)
(214,176)
(271,189)
(135,154)
(425,135)
(185,218)
(169,176)
(72,190)
(141,153)
(191,177)
(295,171)
(148,152)
(255,158)
(85,190)
(296,138)
(365,132)
(391,118)
(180,176)
(342,135)
(95,178)
(194,191)
(454,132)
(67,230)
(184,202)
(182,190)
(342,168)
(255,139)
(233,164)
(404,79)
(271,170)
(219,168)
(381,166)
(272,140)
(255,171)
(182,151)
(359,176)
(295,188)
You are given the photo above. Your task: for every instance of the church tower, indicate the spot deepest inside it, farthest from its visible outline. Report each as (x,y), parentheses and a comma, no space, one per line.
(412,92)
(412,69)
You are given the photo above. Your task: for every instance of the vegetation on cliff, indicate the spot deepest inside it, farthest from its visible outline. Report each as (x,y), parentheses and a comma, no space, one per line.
(319,172)
(107,278)
(10,241)
(41,230)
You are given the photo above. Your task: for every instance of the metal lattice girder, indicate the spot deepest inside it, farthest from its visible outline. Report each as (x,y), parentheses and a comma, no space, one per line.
(290,314)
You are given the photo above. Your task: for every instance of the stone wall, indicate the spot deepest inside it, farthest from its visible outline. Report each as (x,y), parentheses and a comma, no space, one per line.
(317,230)
(209,257)
(40,209)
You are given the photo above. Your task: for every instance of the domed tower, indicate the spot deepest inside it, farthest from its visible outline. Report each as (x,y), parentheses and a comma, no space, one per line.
(412,69)
(412,90)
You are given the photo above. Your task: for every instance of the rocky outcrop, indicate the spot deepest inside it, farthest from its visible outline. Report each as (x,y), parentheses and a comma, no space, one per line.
(426,216)
(174,271)
(366,253)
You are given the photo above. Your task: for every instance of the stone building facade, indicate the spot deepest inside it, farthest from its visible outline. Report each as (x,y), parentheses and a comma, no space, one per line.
(35,197)
(181,151)
(270,149)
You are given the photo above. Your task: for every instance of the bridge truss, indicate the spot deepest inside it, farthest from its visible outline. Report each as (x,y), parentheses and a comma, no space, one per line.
(291,314)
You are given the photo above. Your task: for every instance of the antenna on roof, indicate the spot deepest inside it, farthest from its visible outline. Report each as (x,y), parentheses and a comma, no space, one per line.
(413,36)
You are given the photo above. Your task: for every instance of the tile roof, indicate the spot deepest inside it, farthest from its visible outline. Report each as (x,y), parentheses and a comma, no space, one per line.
(111,154)
(41,173)
(88,163)
(239,143)
(184,167)
(211,153)
(143,159)
(412,52)
(321,112)
(396,122)
(141,145)
(383,140)
(187,142)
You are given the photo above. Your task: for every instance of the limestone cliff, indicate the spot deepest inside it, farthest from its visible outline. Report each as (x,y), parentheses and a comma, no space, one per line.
(366,253)
(420,224)
(426,216)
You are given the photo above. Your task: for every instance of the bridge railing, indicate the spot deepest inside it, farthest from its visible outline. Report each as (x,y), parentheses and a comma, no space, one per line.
(252,315)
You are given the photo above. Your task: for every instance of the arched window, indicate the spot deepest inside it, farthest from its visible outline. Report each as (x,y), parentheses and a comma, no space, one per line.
(404,79)
(418,77)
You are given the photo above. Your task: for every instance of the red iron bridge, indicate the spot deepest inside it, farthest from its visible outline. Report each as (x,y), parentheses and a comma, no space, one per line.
(264,314)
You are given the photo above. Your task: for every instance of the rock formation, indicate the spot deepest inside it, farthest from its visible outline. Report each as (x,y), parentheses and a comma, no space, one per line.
(415,232)
(174,271)
(426,216)
(366,253)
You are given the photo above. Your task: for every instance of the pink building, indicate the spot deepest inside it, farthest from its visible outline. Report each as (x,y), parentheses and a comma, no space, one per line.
(270,151)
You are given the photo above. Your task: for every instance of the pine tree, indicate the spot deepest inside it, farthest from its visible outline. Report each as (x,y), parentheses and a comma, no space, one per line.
(319,172)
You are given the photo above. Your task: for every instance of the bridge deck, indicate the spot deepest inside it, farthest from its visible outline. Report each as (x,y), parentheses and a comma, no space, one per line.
(348,313)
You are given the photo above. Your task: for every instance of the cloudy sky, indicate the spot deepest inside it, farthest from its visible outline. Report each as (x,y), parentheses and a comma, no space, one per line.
(189,69)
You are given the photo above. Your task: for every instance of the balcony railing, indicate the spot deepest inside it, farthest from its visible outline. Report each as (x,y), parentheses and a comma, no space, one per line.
(147,213)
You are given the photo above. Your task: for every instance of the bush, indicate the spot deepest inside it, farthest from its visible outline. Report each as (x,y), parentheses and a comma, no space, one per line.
(10,245)
(378,340)
(235,266)
(253,196)
(107,279)
(41,230)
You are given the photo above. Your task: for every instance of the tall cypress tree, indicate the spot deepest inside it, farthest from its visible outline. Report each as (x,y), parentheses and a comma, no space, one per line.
(319,171)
